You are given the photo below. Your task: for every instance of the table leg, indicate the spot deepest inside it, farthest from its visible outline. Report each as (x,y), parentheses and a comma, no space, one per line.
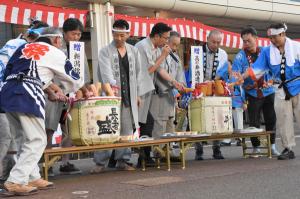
(46,165)
(53,160)
(142,158)
(167,152)
(269,145)
(182,154)
(244,147)
(157,162)
(143,164)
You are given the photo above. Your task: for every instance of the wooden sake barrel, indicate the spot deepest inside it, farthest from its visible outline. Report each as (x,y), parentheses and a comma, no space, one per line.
(211,115)
(95,121)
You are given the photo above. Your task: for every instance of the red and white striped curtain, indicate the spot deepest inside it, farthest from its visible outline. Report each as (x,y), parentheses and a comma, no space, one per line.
(19,12)
(141,27)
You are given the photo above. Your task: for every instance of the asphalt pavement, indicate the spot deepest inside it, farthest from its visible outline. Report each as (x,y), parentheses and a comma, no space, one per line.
(232,178)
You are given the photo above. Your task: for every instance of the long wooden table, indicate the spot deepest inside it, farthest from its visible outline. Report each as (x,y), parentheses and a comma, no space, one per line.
(186,141)
(53,154)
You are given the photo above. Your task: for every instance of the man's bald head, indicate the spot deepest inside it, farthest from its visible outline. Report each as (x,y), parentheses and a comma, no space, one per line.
(214,40)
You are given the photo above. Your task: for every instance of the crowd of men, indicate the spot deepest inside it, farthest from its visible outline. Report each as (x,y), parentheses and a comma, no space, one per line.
(36,77)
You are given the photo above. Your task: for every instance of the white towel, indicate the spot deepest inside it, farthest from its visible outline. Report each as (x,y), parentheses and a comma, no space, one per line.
(292,53)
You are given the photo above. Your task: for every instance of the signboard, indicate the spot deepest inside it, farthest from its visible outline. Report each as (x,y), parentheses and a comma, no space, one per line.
(76,51)
(197,65)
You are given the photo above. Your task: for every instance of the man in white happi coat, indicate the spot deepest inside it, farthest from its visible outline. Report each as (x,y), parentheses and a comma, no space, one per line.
(214,58)
(9,143)
(120,66)
(163,100)
(28,72)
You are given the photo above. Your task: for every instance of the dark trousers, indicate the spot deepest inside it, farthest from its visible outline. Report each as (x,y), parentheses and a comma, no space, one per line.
(215,147)
(146,129)
(266,105)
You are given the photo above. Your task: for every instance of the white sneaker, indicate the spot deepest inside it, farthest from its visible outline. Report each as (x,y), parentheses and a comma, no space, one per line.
(255,152)
(274,150)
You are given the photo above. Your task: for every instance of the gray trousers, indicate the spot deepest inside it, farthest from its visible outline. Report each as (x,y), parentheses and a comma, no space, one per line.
(9,142)
(102,157)
(162,109)
(5,136)
(53,112)
(286,110)
(35,140)
(5,140)
(163,126)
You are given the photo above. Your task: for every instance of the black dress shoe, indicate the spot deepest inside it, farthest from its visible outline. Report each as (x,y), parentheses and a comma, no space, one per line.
(238,142)
(218,156)
(198,157)
(286,154)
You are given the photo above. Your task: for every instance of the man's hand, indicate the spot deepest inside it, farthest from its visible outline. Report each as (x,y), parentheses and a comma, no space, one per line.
(166,51)
(62,97)
(55,93)
(239,78)
(231,87)
(179,86)
(51,95)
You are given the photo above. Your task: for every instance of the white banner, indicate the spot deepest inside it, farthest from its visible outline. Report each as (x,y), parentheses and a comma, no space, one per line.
(197,65)
(77,58)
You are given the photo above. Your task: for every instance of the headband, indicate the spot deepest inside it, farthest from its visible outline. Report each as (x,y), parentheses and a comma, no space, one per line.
(120,30)
(274,31)
(52,35)
(37,31)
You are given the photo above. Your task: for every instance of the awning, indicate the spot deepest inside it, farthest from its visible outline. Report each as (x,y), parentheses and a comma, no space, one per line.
(18,12)
(141,27)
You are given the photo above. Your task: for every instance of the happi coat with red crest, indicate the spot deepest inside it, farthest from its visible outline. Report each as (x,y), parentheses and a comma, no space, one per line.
(30,70)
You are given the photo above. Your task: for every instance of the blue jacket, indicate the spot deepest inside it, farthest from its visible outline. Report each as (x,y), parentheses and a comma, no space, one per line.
(240,64)
(263,64)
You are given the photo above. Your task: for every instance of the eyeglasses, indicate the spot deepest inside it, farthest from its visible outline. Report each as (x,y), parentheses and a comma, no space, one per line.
(166,38)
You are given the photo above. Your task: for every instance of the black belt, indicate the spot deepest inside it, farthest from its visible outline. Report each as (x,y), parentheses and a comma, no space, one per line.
(24,78)
(283,85)
(288,81)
